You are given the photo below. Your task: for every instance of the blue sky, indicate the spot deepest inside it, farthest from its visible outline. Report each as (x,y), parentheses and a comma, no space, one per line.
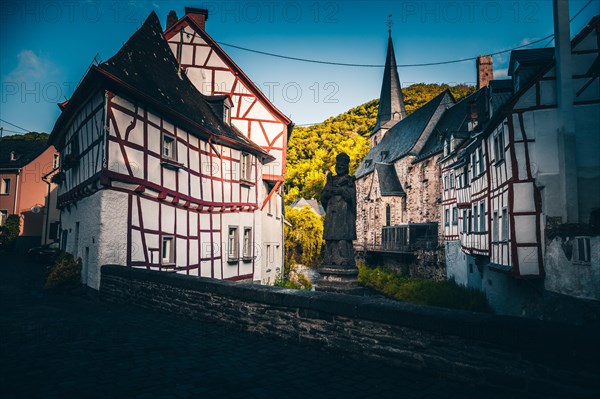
(46,46)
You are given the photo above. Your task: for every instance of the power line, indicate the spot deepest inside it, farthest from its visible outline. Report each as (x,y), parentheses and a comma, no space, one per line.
(11,131)
(571,20)
(13,125)
(455,61)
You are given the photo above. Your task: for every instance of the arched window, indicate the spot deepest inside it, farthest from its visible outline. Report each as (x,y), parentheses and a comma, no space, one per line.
(388,215)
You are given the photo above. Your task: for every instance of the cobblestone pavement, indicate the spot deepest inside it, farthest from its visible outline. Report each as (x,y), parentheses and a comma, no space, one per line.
(72,346)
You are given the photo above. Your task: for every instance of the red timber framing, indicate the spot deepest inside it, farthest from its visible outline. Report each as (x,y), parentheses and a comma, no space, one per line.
(184,199)
(213,72)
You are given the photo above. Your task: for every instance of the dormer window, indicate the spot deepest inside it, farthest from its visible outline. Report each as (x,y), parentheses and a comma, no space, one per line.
(368,162)
(169,149)
(226,113)
(452,143)
(446,147)
(384,155)
(13,156)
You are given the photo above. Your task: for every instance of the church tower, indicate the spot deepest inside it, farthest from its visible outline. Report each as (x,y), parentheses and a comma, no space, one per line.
(391,103)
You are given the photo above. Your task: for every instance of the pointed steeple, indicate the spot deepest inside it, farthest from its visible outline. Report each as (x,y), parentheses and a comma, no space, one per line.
(391,103)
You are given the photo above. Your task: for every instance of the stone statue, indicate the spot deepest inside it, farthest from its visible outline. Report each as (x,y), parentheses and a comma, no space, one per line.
(339,200)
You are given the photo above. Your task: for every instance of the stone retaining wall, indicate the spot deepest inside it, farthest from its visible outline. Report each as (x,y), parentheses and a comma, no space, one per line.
(529,355)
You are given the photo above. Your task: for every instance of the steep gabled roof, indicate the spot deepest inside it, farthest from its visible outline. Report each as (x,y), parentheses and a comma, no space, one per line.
(402,137)
(391,102)
(389,183)
(25,151)
(146,69)
(313,203)
(241,74)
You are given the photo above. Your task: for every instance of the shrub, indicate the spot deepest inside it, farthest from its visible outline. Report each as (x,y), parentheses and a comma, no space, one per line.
(65,273)
(11,230)
(300,282)
(417,290)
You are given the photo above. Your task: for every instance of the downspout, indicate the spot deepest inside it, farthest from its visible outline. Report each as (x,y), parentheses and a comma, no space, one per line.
(45,179)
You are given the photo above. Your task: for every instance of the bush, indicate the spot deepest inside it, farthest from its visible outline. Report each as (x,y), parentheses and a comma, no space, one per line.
(299,283)
(421,291)
(11,230)
(65,273)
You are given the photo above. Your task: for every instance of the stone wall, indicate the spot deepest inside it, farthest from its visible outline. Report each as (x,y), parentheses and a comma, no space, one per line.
(464,346)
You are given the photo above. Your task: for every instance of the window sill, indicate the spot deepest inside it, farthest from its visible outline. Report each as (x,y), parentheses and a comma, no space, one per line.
(246,183)
(171,164)
(247,259)
(499,162)
(233,260)
(581,263)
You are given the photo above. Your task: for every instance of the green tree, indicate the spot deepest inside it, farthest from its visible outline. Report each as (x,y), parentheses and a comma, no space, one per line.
(11,230)
(303,239)
(28,136)
(312,150)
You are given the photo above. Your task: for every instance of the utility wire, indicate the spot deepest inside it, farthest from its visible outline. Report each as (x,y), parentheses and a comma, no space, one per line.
(381,66)
(13,125)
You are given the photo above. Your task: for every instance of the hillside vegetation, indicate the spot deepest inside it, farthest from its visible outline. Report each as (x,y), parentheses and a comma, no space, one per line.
(312,150)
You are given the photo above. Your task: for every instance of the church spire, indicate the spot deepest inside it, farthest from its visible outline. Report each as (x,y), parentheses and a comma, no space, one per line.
(391,103)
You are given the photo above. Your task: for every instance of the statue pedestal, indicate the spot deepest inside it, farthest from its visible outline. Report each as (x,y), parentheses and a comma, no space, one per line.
(341,280)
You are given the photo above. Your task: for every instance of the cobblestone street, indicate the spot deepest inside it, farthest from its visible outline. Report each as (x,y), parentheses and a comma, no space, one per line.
(67,345)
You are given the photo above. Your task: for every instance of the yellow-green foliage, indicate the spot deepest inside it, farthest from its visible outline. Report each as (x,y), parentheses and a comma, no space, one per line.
(312,150)
(66,272)
(297,282)
(304,238)
(446,294)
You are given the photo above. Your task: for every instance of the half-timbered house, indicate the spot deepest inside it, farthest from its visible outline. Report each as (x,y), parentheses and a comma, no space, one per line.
(156,174)
(526,182)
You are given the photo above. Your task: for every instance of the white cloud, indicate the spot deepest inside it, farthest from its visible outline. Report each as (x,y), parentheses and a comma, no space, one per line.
(30,67)
(500,73)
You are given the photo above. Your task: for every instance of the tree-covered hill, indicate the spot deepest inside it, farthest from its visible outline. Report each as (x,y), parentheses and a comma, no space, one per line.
(312,150)
(28,136)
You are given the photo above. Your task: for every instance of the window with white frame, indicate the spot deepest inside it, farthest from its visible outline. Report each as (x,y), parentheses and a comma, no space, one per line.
(582,253)
(465,222)
(226,114)
(246,167)
(169,147)
(475,219)
(480,159)
(504,225)
(482,226)
(473,166)
(5,186)
(167,250)
(445,183)
(454,216)
(469,222)
(247,244)
(495,227)
(499,146)
(452,180)
(447,217)
(232,244)
(3,216)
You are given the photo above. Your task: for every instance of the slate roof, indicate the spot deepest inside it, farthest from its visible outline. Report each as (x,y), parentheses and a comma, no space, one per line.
(390,100)
(146,66)
(530,56)
(389,183)
(25,152)
(402,137)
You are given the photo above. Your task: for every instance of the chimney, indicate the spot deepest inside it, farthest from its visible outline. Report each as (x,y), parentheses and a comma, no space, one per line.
(171,18)
(198,15)
(567,158)
(485,71)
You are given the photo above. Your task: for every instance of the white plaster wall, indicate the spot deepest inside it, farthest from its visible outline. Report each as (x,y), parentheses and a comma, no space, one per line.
(102,221)
(565,277)
(456,265)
